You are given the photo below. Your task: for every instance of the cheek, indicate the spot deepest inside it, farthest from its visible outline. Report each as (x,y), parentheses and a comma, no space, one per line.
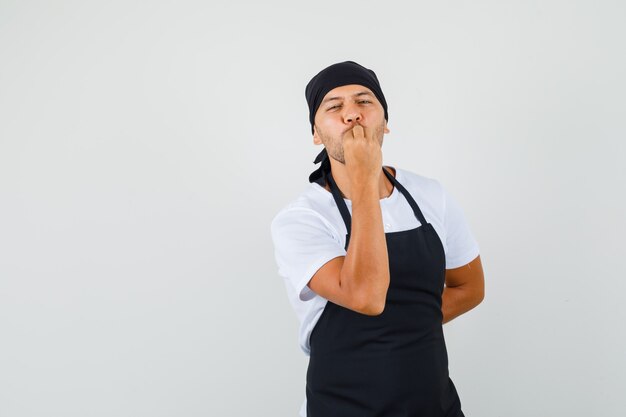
(331,126)
(328,120)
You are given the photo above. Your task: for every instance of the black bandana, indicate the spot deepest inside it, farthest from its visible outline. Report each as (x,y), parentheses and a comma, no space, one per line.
(336,75)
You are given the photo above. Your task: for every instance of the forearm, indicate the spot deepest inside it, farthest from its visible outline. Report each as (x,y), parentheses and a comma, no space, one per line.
(365,272)
(459,300)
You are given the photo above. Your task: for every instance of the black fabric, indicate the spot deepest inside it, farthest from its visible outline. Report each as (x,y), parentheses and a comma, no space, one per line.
(319,175)
(336,75)
(394,364)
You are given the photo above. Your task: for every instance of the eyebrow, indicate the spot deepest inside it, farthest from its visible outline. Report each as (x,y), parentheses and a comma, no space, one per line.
(361,93)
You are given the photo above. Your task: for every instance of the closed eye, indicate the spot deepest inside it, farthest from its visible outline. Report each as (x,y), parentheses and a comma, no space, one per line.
(360,102)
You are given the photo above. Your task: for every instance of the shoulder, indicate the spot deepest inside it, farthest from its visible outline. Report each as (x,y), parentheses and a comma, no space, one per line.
(427,188)
(312,207)
(416,179)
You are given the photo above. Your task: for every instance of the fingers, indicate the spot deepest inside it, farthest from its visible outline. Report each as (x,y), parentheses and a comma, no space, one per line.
(358,132)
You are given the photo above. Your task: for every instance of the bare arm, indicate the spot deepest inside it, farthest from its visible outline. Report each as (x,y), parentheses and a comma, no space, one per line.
(465,289)
(359,281)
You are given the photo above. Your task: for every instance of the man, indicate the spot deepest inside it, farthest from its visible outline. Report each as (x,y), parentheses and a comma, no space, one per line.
(365,252)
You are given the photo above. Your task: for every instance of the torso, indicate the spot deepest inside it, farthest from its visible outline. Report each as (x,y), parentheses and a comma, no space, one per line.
(400,354)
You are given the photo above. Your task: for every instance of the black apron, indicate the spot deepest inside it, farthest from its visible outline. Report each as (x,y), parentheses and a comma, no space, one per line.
(394,364)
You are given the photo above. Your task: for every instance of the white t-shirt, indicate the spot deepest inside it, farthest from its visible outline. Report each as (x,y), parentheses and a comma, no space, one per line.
(310,231)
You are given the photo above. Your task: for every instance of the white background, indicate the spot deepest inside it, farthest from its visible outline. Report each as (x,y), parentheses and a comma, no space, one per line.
(146,146)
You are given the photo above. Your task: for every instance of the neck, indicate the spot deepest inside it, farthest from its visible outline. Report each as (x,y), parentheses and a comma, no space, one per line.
(342,179)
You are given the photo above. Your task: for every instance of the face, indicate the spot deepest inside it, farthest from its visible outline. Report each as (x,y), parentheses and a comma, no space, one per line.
(343,108)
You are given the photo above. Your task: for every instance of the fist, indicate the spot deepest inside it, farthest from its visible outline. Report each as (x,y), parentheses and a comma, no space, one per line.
(362,154)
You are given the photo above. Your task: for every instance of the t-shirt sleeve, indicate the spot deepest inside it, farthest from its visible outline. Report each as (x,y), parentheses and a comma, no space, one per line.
(462,247)
(303,242)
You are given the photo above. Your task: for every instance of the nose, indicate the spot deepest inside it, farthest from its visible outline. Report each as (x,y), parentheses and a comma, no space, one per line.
(352,115)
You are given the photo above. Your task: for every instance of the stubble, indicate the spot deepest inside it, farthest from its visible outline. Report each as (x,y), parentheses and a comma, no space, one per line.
(334,145)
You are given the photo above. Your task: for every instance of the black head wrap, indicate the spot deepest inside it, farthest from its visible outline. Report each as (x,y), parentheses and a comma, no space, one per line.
(336,75)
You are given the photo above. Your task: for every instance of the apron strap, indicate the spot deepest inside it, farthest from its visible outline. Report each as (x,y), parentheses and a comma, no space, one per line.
(343,208)
(407,195)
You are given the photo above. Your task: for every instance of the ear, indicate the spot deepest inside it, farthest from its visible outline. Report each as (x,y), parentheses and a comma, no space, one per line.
(386,128)
(316,138)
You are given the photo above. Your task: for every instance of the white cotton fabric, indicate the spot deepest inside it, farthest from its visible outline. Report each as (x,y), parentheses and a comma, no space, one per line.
(309,231)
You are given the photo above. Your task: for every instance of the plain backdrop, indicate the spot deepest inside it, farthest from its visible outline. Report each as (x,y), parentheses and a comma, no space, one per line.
(146,146)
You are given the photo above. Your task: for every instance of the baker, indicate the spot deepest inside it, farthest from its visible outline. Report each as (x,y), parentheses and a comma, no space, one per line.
(375,260)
